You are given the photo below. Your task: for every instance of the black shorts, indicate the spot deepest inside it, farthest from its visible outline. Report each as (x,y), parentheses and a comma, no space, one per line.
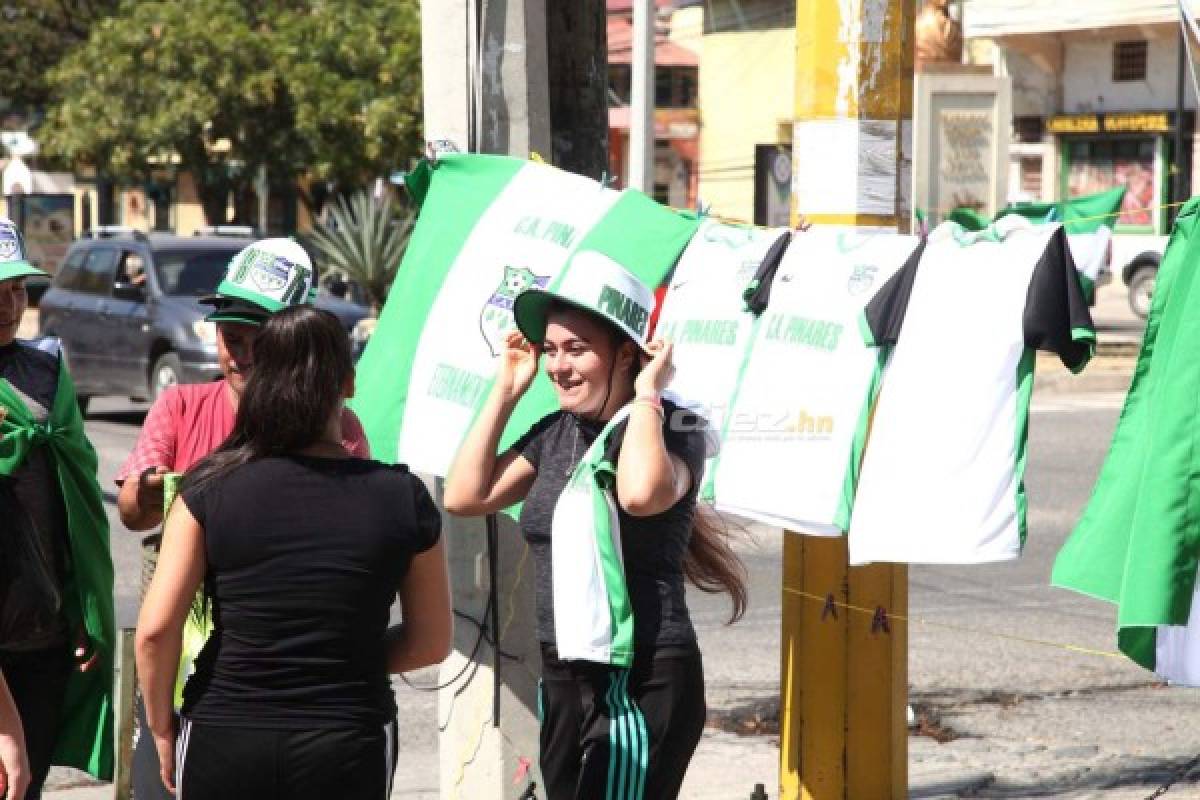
(216,763)
(620,734)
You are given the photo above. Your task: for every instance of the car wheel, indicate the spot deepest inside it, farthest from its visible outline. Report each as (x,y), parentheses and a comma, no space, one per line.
(166,372)
(1141,290)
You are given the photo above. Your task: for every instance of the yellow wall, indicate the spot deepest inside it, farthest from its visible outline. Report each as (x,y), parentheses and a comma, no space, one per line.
(747,81)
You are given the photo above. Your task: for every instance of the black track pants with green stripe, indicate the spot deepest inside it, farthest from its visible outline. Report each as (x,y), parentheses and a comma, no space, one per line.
(620,734)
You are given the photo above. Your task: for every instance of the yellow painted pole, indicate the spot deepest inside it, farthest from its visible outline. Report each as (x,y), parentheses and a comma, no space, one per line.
(844,682)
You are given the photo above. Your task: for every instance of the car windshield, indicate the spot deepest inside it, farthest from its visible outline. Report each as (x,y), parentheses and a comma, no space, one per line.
(193,272)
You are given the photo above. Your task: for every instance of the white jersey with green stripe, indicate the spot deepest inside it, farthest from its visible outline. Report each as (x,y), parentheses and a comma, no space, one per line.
(799,408)
(942,477)
(705,317)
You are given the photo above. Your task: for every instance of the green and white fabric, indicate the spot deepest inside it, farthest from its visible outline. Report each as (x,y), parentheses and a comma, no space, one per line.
(704,316)
(1137,543)
(796,425)
(942,477)
(271,273)
(489,228)
(13,261)
(593,617)
(1089,221)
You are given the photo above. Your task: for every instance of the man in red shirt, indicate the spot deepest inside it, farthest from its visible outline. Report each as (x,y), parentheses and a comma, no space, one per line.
(190,421)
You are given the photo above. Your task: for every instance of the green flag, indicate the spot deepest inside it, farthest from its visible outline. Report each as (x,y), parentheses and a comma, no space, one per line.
(1138,541)
(489,228)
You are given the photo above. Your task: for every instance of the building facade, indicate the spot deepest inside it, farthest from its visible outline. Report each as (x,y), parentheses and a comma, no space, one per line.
(1094,100)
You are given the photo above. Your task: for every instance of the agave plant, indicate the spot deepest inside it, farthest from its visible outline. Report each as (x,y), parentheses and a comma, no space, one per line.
(364,239)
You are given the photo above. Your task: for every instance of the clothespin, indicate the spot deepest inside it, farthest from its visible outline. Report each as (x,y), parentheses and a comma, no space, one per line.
(880,621)
(830,607)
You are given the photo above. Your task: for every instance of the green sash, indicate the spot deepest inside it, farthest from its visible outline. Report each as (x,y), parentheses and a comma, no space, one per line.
(86,739)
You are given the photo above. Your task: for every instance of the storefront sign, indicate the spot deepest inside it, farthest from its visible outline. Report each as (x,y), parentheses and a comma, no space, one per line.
(1148,122)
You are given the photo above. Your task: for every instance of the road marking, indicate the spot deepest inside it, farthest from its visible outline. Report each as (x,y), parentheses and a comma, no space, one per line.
(1091,401)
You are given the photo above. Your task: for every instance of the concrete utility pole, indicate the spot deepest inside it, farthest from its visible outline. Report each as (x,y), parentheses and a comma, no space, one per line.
(844,673)
(486,90)
(641,104)
(577,42)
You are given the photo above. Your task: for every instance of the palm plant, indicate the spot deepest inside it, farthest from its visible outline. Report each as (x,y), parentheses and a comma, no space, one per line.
(364,239)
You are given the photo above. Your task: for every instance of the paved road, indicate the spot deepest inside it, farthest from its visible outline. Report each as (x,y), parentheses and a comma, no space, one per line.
(1032,720)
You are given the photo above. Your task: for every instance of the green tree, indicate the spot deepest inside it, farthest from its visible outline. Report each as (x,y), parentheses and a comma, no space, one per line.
(224,87)
(36,35)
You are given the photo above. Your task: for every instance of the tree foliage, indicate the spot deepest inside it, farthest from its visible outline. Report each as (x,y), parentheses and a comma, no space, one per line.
(224,87)
(36,35)
(363,238)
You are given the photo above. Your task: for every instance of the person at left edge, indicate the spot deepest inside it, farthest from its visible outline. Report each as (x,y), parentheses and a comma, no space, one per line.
(188,422)
(57,628)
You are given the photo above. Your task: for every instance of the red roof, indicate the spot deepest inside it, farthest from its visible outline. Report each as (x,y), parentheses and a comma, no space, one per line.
(666,53)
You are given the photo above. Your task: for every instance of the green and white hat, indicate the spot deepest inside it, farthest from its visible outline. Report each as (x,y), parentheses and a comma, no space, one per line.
(592,282)
(266,277)
(13,261)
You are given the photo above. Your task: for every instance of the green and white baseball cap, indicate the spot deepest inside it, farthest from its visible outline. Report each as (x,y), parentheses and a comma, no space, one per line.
(13,261)
(266,277)
(591,282)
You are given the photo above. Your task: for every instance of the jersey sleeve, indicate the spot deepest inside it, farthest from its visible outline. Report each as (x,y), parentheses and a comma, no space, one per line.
(1056,316)
(758,293)
(883,316)
(354,438)
(156,444)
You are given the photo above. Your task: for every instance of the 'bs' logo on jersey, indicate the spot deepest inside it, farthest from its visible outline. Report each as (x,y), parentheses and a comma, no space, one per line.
(862,278)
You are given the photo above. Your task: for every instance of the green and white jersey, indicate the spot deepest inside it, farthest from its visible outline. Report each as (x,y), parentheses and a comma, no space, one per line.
(705,316)
(799,411)
(942,476)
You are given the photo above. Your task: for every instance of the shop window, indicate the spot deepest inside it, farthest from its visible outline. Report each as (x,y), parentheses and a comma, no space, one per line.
(1129,61)
(1098,165)
(675,87)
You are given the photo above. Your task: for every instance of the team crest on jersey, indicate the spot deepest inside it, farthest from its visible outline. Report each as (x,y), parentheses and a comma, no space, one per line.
(10,244)
(862,278)
(496,318)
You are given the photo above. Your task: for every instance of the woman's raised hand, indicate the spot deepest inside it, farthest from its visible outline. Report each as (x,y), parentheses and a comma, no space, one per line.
(657,368)
(518,364)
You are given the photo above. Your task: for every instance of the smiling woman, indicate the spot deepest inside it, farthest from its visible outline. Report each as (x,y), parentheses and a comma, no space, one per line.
(608,485)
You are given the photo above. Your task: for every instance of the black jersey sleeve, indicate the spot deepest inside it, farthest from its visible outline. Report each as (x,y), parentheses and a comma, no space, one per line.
(758,293)
(1056,316)
(883,316)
